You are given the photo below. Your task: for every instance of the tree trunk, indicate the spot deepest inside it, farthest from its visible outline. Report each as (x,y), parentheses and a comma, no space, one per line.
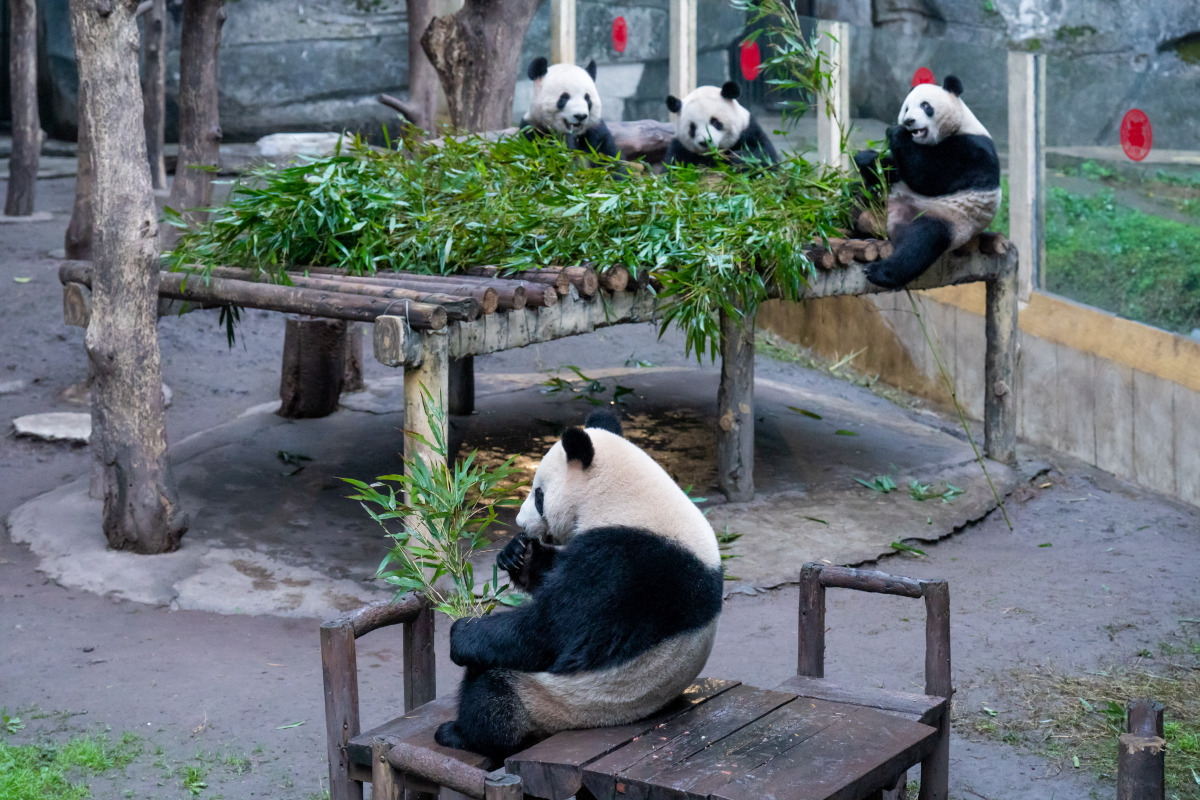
(422,77)
(476,53)
(129,438)
(154,91)
(26,126)
(78,240)
(199,120)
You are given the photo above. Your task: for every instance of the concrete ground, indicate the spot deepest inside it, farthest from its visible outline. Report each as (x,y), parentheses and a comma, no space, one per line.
(211,654)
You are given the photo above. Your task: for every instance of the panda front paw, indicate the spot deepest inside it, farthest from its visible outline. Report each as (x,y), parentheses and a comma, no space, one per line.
(447,735)
(515,555)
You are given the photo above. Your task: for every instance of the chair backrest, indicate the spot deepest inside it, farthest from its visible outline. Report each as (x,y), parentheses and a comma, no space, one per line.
(815,578)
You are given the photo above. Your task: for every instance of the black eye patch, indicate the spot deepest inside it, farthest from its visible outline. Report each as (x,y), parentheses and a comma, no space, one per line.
(562,100)
(716,123)
(587,98)
(539,501)
(928,109)
(692,130)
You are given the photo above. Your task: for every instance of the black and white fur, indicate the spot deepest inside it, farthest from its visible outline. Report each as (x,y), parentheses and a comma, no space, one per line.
(944,177)
(565,103)
(711,119)
(625,581)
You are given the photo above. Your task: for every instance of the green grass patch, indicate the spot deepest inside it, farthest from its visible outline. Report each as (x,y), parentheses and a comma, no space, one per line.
(1104,253)
(45,770)
(1077,719)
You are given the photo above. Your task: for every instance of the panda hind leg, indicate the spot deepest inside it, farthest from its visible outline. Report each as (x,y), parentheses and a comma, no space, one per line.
(917,245)
(491,720)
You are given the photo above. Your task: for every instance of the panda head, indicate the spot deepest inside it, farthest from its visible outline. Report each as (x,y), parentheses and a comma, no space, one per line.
(933,113)
(710,117)
(595,478)
(564,99)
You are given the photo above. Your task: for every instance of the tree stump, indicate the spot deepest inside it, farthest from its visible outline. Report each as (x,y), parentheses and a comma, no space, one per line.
(1141,760)
(26,125)
(353,357)
(314,367)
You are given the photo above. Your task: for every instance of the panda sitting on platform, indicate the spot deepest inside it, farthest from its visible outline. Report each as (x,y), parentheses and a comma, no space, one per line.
(626,583)
(566,104)
(944,177)
(711,119)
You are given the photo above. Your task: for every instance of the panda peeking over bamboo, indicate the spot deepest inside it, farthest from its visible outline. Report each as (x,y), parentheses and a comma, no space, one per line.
(944,178)
(625,580)
(712,126)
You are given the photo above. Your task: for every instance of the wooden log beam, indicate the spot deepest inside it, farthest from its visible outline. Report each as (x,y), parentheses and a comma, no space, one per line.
(457,307)
(380,614)
(584,279)
(549,276)
(271,297)
(491,293)
(404,109)
(614,279)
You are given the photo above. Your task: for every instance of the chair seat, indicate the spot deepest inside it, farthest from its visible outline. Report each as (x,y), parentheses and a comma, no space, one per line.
(728,741)
(918,707)
(416,727)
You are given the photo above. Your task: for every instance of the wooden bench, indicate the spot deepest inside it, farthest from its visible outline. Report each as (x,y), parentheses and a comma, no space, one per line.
(807,739)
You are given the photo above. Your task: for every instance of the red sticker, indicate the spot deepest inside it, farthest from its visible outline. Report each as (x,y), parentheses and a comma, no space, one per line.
(751,61)
(923,75)
(1136,134)
(620,34)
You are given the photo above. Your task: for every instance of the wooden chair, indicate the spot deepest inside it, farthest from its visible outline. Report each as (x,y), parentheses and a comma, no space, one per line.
(808,738)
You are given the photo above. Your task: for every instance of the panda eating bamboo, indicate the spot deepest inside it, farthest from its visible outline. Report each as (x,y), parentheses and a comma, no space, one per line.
(625,578)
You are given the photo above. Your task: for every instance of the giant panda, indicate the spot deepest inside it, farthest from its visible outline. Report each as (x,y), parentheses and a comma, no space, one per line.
(711,118)
(944,177)
(625,580)
(565,103)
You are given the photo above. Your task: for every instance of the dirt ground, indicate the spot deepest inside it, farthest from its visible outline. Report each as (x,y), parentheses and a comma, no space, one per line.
(1095,572)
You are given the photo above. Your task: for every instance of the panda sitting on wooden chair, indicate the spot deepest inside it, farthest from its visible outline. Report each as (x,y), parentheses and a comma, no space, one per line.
(625,581)
(944,178)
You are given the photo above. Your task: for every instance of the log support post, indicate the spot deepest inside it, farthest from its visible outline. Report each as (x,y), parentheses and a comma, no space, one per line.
(503,787)
(352,359)
(420,666)
(735,408)
(313,367)
(386,783)
(833,107)
(1027,165)
(1000,365)
(26,124)
(1141,761)
(428,375)
(338,668)
(461,386)
(810,647)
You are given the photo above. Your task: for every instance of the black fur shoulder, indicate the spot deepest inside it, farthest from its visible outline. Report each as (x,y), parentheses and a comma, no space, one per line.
(956,164)
(755,143)
(599,139)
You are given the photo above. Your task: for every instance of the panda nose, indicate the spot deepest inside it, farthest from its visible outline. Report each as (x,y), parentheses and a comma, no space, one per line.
(908,122)
(580,117)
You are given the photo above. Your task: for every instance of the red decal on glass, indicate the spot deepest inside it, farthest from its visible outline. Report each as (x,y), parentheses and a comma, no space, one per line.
(751,61)
(1136,134)
(923,75)
(620,34)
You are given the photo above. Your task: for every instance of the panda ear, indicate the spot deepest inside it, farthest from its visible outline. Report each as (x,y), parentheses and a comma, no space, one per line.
(605,420)
(673,104)
(578,446)
(953,85)
(591,68)
(730,91)
(537,68)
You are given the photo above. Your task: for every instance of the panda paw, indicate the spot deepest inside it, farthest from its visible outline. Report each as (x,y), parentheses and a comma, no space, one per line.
(447,735)
(515,555)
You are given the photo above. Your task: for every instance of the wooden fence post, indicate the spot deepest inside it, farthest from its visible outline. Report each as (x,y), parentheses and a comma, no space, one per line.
(1000,366)
(682,67)
(1141,760)
(1027,165)
(810,645)
(430,375)
(833,109)
(338,666)
(562,31)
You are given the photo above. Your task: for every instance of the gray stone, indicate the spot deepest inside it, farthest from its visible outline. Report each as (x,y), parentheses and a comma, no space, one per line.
(55,426)
(11,387)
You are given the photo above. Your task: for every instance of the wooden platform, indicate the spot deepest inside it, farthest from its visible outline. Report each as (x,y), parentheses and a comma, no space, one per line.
(433,326)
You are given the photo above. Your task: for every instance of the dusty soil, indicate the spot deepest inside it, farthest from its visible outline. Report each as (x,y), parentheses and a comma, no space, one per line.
(1094,572)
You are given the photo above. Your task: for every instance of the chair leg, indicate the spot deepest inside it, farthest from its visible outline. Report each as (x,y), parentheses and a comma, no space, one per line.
(899,790)
(935,769)
(385,782)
